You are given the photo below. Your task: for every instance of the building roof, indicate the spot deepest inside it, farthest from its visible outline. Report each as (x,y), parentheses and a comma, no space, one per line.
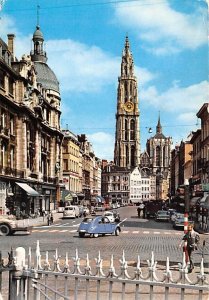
(46,76)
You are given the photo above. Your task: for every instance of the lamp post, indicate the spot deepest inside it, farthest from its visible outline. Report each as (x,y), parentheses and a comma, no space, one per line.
(186,214)
(186,203)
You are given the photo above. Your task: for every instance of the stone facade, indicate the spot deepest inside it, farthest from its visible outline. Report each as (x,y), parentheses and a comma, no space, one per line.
(159,151)
(30,135)
(127,136)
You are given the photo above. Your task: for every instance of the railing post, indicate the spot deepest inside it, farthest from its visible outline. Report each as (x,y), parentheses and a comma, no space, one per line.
(17,281)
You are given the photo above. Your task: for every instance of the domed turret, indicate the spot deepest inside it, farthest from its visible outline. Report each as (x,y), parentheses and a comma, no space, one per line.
(45,76)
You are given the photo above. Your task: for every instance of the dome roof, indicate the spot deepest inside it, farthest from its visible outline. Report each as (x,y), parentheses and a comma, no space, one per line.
(46,76)
(38,34)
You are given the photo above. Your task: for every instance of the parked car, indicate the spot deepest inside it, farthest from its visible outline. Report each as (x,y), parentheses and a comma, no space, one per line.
(176,215)
(152,208)
(71,211)
(109,215)
(179,222)
(113,216)
(99,208)
(8,226)
(100,225)
(162,215)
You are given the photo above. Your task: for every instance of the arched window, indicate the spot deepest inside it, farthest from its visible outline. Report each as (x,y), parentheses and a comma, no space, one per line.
(3,154)
(132,130)
(126,130)
(158,156)
(132,156)
(127,155)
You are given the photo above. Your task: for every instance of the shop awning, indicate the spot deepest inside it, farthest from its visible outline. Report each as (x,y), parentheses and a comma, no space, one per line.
(28,189)
(66,195)
(99,199)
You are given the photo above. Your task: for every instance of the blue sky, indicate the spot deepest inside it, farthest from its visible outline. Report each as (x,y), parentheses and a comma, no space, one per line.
(84,40)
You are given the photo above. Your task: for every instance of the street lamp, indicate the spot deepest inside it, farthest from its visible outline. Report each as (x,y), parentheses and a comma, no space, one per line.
(186,204)
(186,215)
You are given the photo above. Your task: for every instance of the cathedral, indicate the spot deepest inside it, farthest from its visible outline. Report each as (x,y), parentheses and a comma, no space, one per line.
(135,176)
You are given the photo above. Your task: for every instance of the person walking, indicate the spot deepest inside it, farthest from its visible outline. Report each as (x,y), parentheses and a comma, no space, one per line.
(189,242)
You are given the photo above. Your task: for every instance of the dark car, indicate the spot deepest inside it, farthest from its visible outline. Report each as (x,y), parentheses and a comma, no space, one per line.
(162,215)
(100,225)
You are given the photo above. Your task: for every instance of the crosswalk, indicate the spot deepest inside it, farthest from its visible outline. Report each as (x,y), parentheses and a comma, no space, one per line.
(125,232)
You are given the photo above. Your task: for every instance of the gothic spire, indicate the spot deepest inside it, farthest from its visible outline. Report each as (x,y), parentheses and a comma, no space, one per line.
(127,65)
(159,127)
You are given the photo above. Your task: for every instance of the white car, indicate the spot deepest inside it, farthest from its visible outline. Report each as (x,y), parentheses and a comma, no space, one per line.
(10,226)
(71,211)
(110,216)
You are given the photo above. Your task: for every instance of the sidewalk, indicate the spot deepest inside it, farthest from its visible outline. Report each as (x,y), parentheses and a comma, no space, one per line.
(39,221)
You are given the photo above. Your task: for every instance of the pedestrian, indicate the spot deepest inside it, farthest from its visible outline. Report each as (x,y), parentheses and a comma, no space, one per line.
(141,208)
(190,241)
(139,211)
(144,212)
(50,219)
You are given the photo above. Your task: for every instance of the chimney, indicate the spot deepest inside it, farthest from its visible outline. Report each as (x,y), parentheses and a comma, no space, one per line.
(11,44)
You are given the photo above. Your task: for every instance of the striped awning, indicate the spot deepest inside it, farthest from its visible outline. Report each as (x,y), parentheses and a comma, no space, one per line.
(28,189)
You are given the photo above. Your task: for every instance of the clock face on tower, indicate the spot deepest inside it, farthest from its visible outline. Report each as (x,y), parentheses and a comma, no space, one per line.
(128,106)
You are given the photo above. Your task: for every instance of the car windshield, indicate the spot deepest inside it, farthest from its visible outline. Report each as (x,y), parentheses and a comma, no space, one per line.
(87,220)
(108,214)
(162,212)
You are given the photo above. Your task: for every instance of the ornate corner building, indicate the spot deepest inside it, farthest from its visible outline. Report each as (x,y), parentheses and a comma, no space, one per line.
(30,135)
(127,135)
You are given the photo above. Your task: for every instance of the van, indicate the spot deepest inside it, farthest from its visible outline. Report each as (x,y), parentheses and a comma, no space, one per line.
(71,211)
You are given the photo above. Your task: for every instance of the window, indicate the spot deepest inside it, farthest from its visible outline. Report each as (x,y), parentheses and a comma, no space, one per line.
(12,157)
(132,130)
(157,156)
(65,164)
(3,154)
(2,79)
(11,86)
(12,124)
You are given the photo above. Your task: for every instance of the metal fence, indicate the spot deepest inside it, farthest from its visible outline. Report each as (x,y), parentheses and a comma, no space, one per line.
(31,277)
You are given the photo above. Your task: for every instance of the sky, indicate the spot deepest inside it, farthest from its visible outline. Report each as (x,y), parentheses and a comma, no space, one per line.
(84,40)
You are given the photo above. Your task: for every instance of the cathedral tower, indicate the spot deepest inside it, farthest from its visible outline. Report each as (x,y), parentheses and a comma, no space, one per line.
(127,135)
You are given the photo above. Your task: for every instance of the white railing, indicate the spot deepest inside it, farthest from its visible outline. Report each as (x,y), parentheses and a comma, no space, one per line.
(76,278)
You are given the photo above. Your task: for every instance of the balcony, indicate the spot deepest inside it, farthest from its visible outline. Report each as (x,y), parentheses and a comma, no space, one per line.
(4,132)
(7,171)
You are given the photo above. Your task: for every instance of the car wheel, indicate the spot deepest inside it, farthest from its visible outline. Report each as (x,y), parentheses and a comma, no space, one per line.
(96,235)
(5,229)
(81,234)
(117,231)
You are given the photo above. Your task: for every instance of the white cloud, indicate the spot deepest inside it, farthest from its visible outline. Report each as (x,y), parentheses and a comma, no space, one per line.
(173,30)
(103,144)
(178,99)
(84,68)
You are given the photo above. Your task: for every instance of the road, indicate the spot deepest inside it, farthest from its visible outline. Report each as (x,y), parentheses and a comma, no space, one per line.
(138,237)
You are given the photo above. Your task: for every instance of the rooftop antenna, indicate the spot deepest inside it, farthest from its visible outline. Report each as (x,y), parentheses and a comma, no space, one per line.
(38,8)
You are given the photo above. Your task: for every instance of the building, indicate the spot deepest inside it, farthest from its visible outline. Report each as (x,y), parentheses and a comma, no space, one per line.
(203,114)
(91,170)
(127,135)
(116,184)
(71,166)
(30,130)
(159,152)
